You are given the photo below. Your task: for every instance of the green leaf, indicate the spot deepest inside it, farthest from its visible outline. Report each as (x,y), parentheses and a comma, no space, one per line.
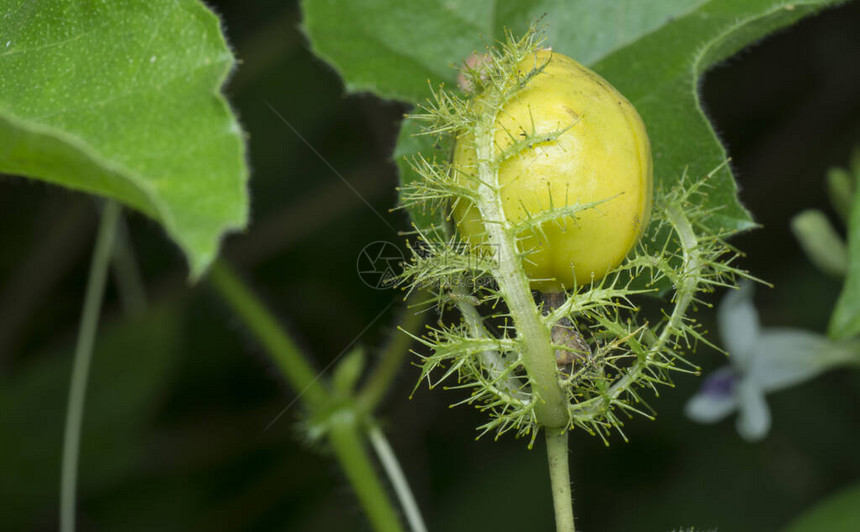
(121,99)
(348,371)
(837,513)
(660,73)
(845,320)
(393,48)
(397,49)
(653,52)
(840,189)
(821,242)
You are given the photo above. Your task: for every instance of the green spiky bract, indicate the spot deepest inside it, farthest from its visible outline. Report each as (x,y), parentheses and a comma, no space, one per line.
(501,348)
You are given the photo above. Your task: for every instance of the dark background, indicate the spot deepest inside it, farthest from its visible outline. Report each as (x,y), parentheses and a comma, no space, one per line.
(174,435)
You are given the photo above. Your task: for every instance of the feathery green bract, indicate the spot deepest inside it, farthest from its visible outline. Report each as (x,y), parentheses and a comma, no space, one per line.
(487,352)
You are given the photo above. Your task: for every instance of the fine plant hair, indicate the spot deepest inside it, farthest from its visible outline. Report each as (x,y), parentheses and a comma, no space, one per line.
(502,348)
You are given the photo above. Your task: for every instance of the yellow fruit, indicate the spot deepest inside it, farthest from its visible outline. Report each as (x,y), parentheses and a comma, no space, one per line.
(604,156)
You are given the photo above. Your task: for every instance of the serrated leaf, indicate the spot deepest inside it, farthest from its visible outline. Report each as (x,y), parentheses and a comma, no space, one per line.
(121,99)
(653,52)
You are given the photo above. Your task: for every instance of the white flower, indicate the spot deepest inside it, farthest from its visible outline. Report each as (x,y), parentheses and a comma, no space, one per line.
(762,360)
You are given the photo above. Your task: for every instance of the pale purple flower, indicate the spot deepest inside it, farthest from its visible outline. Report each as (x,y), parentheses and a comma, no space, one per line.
(761,360)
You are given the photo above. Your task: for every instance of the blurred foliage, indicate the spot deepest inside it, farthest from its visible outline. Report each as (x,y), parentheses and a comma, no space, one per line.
(135,364)
(196,455)
(845,321)
(836,513)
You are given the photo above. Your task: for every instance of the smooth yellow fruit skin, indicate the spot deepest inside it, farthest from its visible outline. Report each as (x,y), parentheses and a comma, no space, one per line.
(604,156)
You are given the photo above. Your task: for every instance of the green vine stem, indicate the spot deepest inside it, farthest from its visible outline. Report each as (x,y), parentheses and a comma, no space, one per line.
(538,353)
(398,480)
(559,474)
(348,446)
(392,358)
(81,365)
(344,422)
(501,379)
(292,362)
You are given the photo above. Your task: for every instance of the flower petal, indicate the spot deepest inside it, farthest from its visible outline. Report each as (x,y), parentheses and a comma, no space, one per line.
(739,324)
(754,420)
(785,357)
(716,399)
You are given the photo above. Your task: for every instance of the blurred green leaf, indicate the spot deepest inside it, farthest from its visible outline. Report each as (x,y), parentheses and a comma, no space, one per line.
(837,513)
(845,320)
(132,366)
(840,189)
(653,52)
(347,372)
(122,99)
(820,241)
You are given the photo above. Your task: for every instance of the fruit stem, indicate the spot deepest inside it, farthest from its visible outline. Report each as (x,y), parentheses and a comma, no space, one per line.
(538,354)
(559,474)
(507,384)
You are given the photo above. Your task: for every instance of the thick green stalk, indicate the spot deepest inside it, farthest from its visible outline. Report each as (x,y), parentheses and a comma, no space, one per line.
(346,440)
(559,474)
(538,353)
(286,354)
(81,365)
(343,434)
